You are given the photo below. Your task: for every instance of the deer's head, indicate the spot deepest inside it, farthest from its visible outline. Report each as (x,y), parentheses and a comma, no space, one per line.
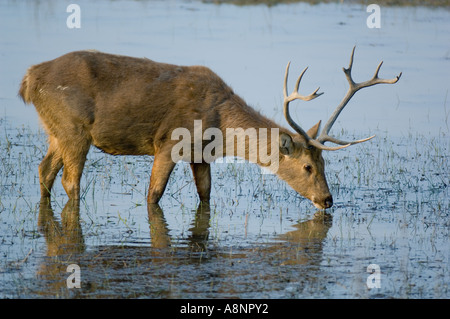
(303,168)
(301,163)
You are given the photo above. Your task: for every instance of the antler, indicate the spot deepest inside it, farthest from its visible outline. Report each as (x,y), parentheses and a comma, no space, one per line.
(296,96)
(354,87)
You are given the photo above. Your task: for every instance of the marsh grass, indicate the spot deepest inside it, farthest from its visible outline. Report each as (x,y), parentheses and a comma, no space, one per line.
(391,208)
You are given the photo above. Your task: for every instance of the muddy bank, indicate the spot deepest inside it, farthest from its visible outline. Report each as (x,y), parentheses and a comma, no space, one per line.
(427,3)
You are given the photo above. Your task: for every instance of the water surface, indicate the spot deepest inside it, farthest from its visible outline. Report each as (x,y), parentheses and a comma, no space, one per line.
(258,239)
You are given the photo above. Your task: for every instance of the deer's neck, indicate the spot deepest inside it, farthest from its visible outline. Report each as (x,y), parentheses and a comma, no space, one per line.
(236,113)
(247,133)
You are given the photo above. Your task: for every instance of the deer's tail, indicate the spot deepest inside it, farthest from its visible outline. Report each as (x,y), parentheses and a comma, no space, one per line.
(25,89)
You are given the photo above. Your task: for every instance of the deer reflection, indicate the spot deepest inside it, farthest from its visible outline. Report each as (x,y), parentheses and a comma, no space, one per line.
(303,244)
(299,246)
(199,231)
(64,241)
(63,237)
(65,245)
(159,232)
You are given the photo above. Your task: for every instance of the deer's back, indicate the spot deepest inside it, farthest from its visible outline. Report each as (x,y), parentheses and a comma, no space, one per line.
(125,105)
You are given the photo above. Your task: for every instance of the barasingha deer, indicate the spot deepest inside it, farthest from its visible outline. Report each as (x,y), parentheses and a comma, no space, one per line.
(130,106)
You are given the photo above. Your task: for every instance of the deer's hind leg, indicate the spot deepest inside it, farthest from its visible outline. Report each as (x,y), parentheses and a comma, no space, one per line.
(74,152)
(67,117)
(49,167)
(70,153)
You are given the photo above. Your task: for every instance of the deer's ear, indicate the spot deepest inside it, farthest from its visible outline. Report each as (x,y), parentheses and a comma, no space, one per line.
(286,144)
(312,132)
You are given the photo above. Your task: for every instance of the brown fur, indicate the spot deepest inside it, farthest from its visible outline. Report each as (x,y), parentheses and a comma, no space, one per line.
(130,106)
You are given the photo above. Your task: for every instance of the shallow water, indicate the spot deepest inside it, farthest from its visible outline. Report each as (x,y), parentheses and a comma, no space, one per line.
(258,239)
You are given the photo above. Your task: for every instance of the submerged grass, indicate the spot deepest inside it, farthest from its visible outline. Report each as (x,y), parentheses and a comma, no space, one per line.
(391,208)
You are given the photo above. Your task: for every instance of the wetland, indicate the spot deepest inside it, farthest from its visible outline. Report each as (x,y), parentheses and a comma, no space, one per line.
(257,238)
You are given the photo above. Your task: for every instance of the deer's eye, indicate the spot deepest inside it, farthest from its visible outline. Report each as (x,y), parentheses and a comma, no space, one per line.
(307,168)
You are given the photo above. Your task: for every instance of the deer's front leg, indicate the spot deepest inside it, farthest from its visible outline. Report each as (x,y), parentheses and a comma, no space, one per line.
(162,167)
(202,178)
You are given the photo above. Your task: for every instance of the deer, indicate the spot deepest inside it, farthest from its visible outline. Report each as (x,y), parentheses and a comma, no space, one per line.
(130,106)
